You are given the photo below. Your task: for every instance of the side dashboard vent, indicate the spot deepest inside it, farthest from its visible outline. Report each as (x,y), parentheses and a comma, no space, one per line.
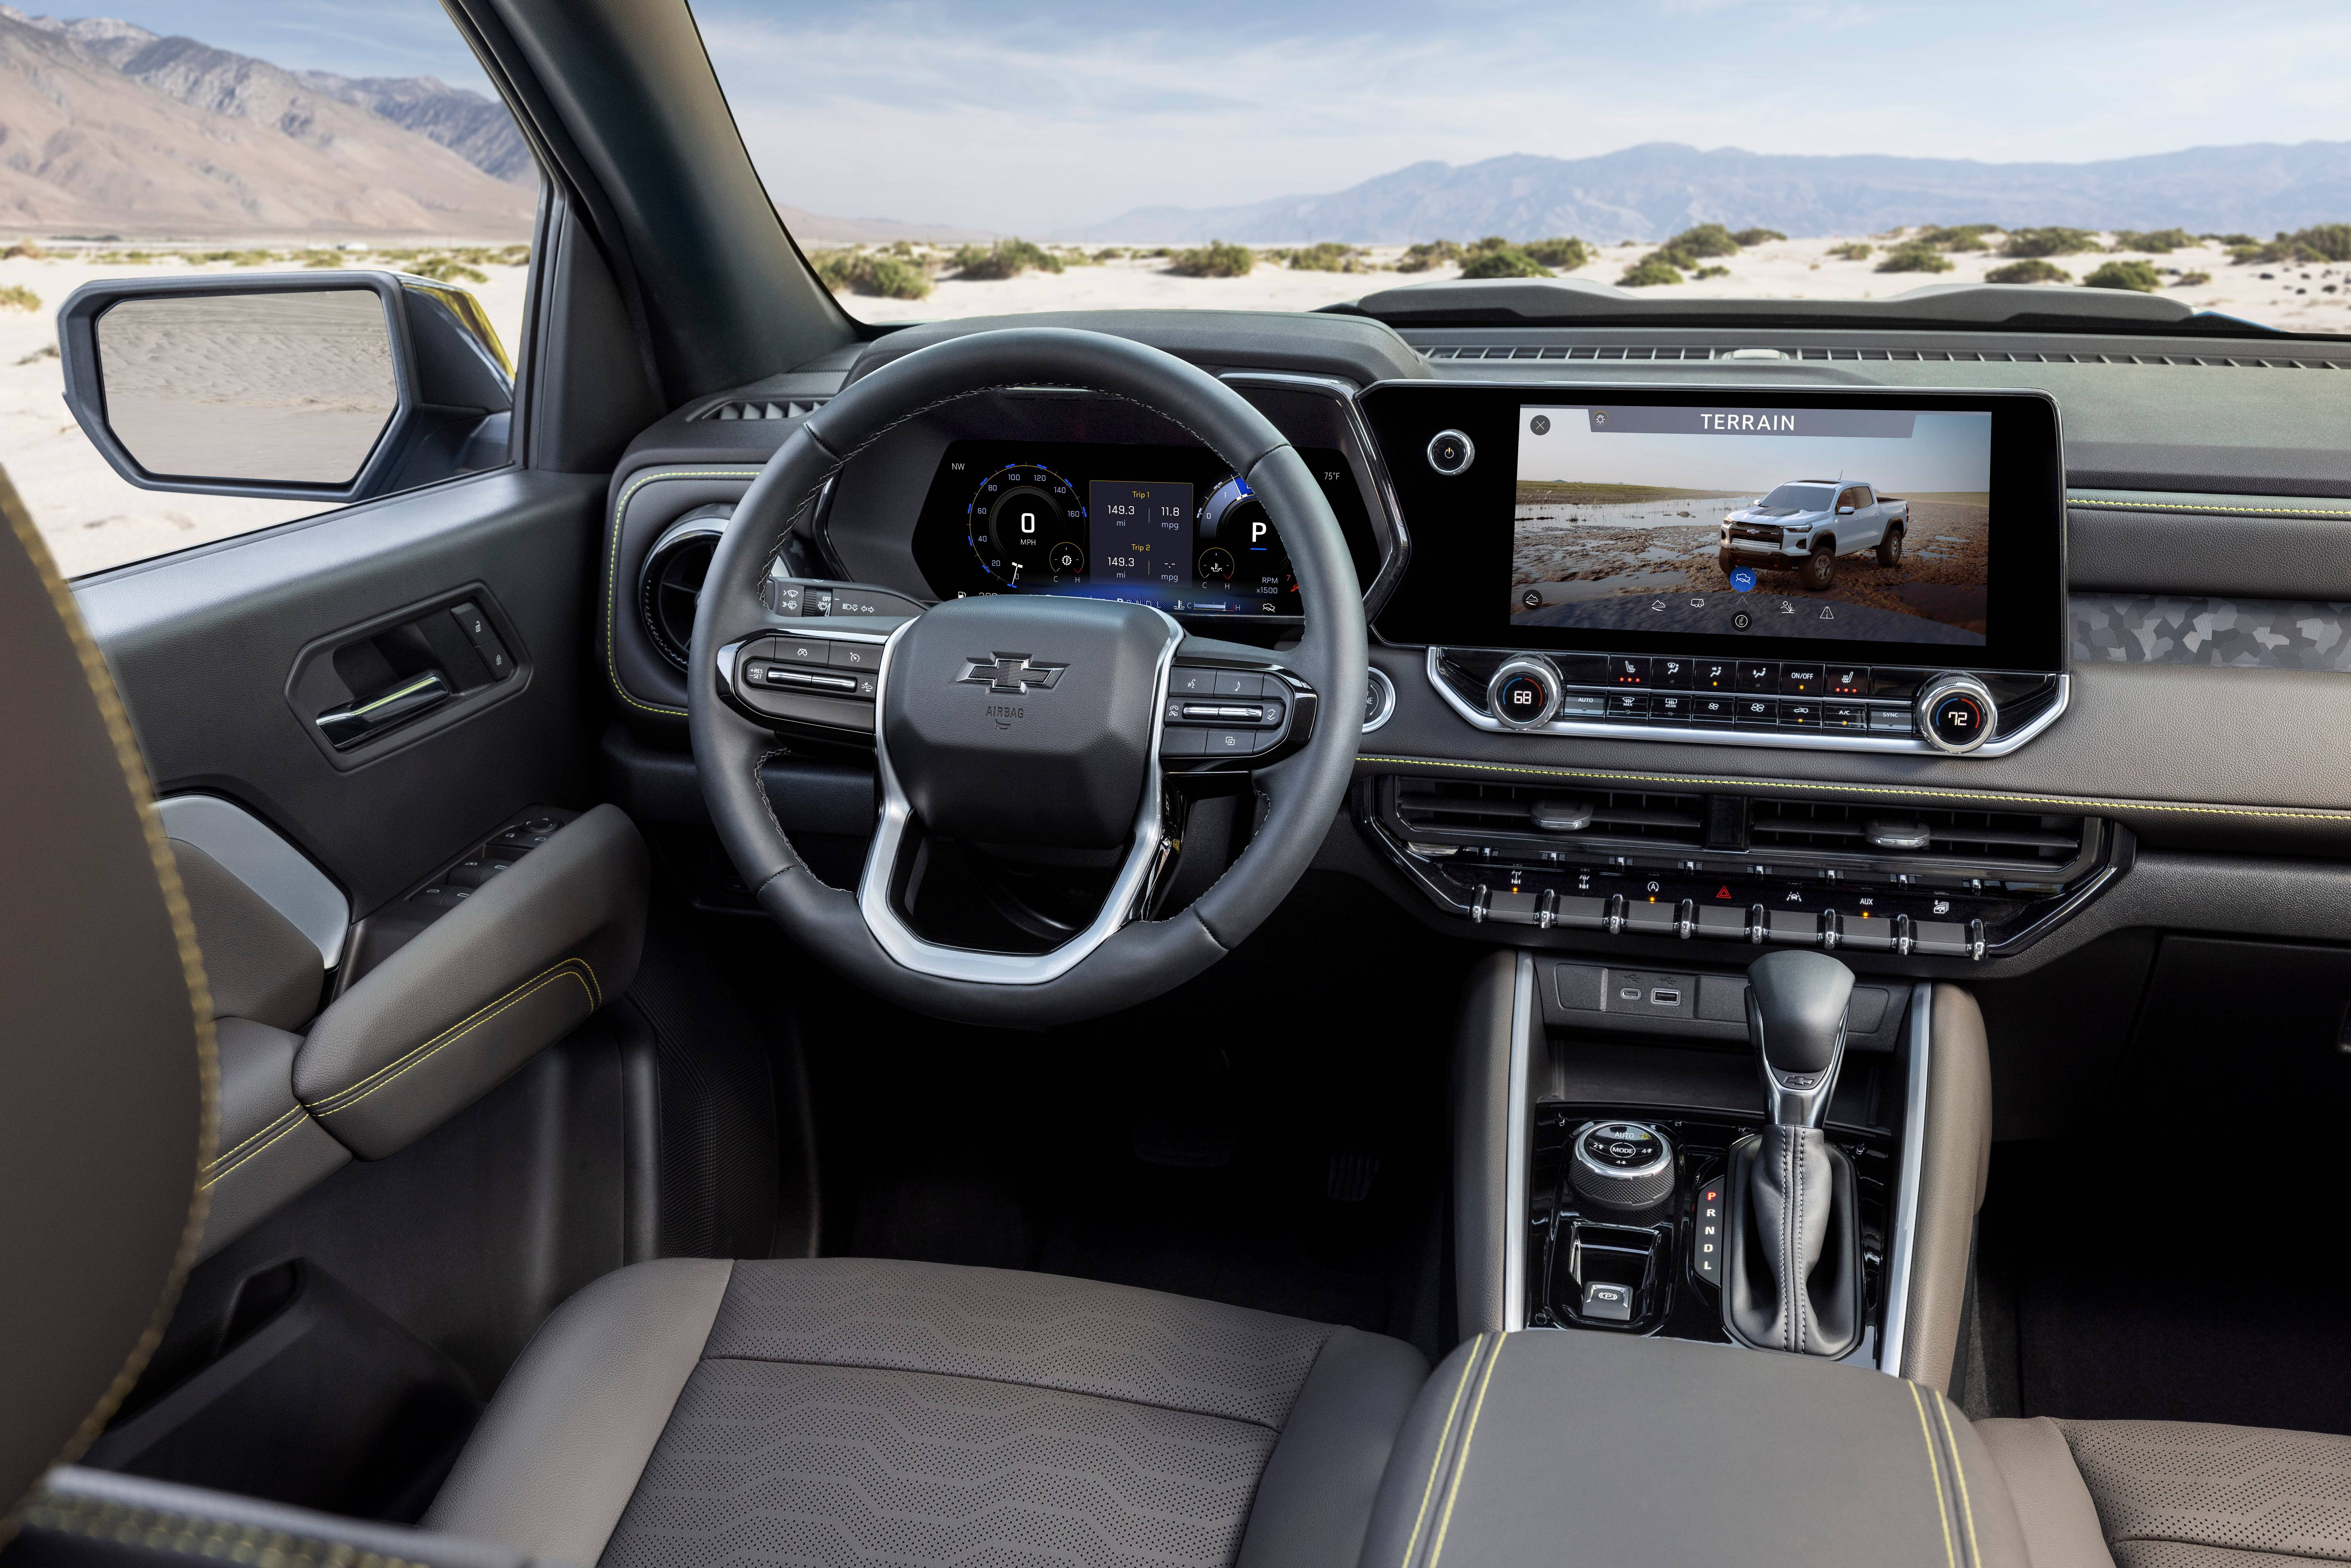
(1443,810)
(2005,840)
(763,408)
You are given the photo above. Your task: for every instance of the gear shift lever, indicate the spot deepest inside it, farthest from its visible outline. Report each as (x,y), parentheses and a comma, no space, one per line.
(1791,1263)
(1795,1016)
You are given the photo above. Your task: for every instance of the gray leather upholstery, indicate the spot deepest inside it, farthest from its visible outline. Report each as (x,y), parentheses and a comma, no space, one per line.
(1546,1447)
(506,974)
(1954,1165)
(841,1410)
(106,1072)
(271,1148)
(259,967)
(2178,1494)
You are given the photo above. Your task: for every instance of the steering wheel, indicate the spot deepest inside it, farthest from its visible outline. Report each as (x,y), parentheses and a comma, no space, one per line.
(1039,720)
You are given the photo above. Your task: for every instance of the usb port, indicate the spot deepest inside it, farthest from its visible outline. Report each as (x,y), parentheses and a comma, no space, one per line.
(1665,997)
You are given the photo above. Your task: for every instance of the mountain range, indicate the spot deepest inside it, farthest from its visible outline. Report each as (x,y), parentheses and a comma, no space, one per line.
(1659,188)
(106,127)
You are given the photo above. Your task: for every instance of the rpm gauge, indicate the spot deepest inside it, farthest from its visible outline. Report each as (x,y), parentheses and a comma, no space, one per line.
(1239,551)
(1026,526)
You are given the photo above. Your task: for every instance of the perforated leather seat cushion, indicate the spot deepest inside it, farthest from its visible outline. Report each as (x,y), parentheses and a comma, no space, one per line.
(857,1411)
(2178,1494)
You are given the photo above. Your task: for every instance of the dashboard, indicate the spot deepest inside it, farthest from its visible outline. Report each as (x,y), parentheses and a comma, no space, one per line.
(2132,612)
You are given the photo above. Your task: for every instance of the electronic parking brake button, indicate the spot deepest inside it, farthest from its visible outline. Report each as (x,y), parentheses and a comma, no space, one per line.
(1608,1303)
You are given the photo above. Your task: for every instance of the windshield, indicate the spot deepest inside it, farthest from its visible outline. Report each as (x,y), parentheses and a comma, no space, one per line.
(1797,498)
(941,160)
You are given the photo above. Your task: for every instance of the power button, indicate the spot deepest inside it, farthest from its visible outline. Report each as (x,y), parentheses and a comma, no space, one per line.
(1450,452)
(1956,712)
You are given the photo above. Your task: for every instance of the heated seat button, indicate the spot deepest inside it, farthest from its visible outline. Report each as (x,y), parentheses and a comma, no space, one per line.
(1848,680)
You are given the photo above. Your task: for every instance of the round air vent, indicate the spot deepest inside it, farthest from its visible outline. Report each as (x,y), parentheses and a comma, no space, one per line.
(670,584)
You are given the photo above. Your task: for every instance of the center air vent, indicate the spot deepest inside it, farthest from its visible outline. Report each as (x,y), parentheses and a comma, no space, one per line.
(669,588)
(1445,810)
(2003,840)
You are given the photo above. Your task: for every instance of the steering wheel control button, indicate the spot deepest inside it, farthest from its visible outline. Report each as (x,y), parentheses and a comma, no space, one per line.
(854,655)
(1956,712)
(1239,684)
(1450,452)
(1177,741)
(1523,692)
(797,650)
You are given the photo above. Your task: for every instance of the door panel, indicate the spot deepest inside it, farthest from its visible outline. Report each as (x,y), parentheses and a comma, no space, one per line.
(203,646)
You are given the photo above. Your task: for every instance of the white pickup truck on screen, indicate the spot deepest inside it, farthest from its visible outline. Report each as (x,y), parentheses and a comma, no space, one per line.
(1804,525)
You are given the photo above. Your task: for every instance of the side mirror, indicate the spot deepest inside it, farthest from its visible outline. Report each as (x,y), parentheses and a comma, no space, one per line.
(327,386)
(1845,511)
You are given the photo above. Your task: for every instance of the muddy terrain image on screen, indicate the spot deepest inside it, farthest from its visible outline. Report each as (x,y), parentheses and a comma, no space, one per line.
(1862,524)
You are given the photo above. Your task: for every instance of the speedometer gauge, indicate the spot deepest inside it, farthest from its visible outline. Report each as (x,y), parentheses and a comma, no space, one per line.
(1026,526)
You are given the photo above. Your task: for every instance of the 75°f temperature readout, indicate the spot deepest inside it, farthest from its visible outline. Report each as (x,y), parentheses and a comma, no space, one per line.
(1141,532)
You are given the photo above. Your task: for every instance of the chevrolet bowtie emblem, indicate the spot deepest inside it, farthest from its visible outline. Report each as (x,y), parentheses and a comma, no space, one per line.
(1009,673)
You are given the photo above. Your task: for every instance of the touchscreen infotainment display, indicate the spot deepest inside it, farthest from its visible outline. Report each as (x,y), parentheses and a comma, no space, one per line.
(1852,523)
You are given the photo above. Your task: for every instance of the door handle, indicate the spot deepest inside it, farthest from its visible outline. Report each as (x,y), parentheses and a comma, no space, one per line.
(412,697)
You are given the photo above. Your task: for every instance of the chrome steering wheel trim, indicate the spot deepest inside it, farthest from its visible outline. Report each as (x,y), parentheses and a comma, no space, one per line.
(875,885)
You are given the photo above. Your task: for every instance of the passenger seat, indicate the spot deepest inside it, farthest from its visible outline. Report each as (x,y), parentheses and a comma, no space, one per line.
(2174,1494)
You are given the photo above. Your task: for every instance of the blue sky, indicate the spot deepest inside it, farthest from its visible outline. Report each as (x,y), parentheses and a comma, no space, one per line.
(1047,114)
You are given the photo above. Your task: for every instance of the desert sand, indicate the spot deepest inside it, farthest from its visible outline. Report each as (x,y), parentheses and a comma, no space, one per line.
(93,519)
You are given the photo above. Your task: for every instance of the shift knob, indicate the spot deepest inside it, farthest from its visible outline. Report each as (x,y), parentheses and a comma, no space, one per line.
(1795,1015)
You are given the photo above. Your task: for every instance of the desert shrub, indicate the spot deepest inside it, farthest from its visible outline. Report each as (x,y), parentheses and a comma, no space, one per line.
(1330,255)
(16,297)
(1422,257)
(1851,250)
(2153,242)
(1674,256)
(1491,242)
(2139,275)
(27,249)
(1214,259)
(2230,239)
(1712,272)
(1110,252)
(1705,240)
(324,260)
(1912,257)
(2321,242)
(1506,261)
(1964,237)
(2191,279)
(1648,272)
(46,351)
(439,268)
(2050,242)
(1563,252)
(1005,258)
(2032,269)
(1757,236)
(885,273)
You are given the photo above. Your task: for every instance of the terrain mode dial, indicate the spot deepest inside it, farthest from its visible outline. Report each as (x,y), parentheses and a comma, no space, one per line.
(1956,712)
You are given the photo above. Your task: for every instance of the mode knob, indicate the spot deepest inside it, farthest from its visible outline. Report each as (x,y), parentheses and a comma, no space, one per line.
(1524,693)
(1956,712)
(1628,1166)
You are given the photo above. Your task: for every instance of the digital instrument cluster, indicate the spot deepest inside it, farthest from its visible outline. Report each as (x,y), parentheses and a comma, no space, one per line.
(1166,526)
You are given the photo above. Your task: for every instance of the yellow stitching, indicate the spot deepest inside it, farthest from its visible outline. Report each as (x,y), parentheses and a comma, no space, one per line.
(1689,780)
(1935,1473)
(1967,1508)
(229,1154)
(612,574)
(1461,1465)
(351,1096)
(1437,1463)
(193,1535)
(2217,510)
(215,1178)
(128,757)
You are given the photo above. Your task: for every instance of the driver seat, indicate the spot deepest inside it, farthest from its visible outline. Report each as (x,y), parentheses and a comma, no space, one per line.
(857,1410)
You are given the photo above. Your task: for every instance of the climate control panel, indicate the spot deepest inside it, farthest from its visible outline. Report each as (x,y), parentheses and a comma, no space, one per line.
(1748,702)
